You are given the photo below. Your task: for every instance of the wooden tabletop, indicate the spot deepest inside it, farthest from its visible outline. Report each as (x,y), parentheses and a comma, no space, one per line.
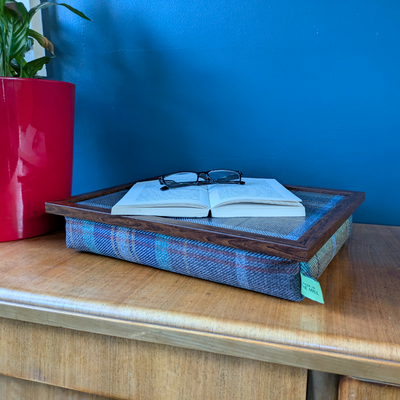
(356,332)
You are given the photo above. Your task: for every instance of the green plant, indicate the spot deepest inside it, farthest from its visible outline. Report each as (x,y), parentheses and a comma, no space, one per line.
(16,38)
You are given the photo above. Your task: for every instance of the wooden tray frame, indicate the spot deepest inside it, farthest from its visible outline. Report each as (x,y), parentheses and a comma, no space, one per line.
(302,249)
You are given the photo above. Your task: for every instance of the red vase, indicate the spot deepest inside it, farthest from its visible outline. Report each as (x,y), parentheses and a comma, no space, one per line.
(36,148)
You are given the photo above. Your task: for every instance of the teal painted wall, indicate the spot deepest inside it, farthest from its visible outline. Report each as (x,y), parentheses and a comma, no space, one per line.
(307,92)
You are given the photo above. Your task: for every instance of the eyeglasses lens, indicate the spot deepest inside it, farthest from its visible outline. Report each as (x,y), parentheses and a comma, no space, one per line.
(224,175)
(181,177)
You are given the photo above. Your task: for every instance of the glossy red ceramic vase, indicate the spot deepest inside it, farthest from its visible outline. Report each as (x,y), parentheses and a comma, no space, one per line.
(36,149)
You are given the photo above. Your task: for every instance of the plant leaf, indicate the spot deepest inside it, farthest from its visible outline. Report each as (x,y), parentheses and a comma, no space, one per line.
(33,67)
(19,9)
(29,45)
(15,68)
(3,27)
(16,36)
(43,41)
(75,11)
(42,6)
(2,2)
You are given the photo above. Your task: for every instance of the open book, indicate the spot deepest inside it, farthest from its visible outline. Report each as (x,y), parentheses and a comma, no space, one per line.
(257,198)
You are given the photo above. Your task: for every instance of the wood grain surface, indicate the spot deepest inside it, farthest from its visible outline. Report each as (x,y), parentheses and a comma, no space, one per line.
(19,389)
(131,369)
(352,389)
(356,332)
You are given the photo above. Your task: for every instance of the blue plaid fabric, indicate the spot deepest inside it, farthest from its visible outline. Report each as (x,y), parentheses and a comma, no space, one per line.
(247,270)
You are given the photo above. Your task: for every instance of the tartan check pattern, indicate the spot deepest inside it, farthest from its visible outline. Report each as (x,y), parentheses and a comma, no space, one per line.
(247,270)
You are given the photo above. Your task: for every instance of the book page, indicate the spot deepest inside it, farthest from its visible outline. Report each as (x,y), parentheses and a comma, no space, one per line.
(259,210)
(255,190)
(148,194)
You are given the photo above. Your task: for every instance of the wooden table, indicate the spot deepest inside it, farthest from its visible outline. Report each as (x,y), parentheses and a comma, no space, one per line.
(74,322)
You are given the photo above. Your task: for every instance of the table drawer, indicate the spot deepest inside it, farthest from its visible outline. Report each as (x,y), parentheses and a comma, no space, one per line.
(130,369)
(354,389)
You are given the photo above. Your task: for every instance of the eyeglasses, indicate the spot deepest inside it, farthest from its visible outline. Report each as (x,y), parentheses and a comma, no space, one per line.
(181,179)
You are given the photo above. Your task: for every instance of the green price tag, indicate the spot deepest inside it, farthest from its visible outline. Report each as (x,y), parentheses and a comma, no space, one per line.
(311,288)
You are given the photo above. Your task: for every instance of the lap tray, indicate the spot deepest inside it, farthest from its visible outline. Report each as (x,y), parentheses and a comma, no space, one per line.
(265,255)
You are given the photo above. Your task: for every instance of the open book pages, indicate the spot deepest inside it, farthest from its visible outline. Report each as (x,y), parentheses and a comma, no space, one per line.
(257,198)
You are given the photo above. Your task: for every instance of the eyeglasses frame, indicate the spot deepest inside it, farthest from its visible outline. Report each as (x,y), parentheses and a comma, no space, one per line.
(208,180)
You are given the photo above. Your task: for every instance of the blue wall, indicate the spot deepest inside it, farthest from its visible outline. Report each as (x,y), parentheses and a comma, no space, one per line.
(307,92)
